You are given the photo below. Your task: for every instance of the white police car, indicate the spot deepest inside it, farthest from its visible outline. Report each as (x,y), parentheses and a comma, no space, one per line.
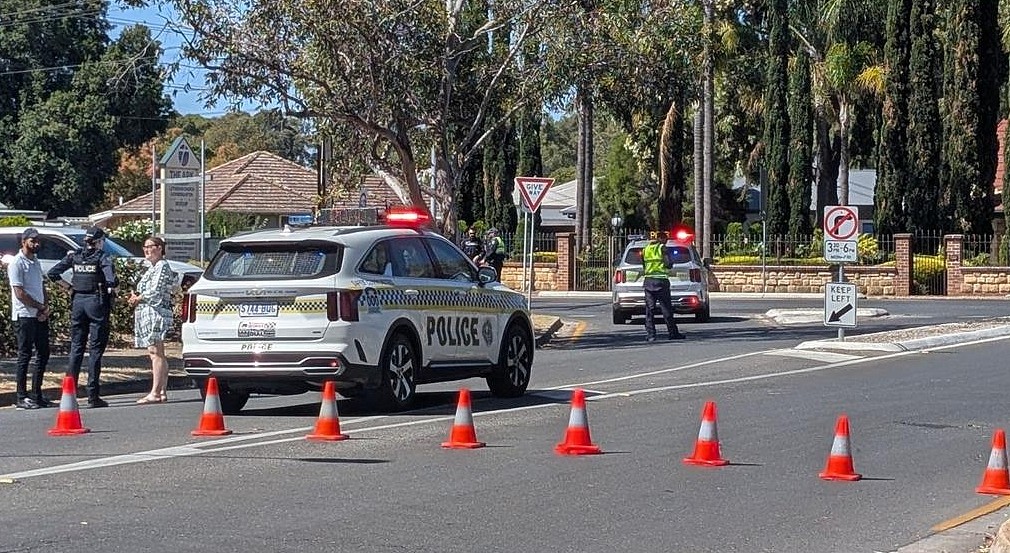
(377,309)
(688,276)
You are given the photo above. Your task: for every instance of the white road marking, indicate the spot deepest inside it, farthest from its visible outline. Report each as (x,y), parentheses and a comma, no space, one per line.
(235,442)
(825,356)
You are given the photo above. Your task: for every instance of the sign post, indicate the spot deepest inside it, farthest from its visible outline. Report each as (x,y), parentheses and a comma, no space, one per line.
(841,229)
(532,191)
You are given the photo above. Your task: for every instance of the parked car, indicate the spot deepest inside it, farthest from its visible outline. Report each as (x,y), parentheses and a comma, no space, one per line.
(689,277)
(57,241)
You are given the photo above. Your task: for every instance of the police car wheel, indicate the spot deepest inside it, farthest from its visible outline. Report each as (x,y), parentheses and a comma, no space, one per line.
(231,402)
(703,315)
(399,367)
(619,318)
(515,363)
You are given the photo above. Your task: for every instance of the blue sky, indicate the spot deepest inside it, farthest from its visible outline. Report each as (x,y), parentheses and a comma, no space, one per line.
(187,85)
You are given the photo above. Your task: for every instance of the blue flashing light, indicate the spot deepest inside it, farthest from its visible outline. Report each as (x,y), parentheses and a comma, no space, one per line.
(300,219)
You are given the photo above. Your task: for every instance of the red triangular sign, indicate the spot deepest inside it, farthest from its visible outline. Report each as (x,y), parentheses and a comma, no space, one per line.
(533,190)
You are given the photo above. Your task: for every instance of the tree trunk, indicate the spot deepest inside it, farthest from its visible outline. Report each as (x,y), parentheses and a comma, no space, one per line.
(585,170)
(843,154)
(709,100)
(699,168)
(580,173)
(670,205)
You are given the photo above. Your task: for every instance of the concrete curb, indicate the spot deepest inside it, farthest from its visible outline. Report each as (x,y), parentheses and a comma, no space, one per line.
(915,344)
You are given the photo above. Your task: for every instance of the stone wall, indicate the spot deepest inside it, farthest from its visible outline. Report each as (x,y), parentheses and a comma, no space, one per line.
(545,276)
(873,281)
(985,281)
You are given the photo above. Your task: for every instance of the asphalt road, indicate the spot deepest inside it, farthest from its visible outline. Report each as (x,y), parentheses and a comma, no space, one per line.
(921,428)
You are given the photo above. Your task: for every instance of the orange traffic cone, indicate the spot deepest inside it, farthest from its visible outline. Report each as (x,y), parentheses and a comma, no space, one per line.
(577,439)
(463,435)
(706,447)
(212,420)
(996,479)
(839,465)
(328,423)
(68,420)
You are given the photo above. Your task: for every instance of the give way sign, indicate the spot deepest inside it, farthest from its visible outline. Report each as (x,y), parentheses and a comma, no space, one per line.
(533,190)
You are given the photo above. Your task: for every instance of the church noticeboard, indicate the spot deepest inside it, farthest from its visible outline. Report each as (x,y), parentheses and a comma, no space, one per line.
(180,200)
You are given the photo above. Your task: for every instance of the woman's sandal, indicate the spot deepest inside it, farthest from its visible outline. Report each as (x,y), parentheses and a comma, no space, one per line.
(151,399)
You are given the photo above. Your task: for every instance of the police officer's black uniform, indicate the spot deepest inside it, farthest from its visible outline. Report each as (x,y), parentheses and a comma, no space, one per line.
(92,288)
(472,246)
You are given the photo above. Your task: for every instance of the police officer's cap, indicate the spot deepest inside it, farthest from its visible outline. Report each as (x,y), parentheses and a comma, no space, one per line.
(94,233)
(29,233)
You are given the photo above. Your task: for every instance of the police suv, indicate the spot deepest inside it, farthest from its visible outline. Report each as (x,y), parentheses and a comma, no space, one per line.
(376,309)
(688,279)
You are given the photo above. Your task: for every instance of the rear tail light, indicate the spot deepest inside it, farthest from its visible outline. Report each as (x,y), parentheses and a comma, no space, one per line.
(695,275)
(342,305)
(189,308)
(618,277)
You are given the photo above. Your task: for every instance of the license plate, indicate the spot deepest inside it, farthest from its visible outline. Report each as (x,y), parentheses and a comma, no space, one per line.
(257,310)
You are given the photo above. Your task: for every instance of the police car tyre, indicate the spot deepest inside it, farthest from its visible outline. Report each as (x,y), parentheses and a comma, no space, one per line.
(398,364)
(619,318)
(515,363)
(231,402)
(703,315)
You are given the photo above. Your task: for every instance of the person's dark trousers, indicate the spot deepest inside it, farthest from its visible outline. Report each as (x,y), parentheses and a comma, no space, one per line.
(657,291)
(33,336)
(89,321)
(497,263)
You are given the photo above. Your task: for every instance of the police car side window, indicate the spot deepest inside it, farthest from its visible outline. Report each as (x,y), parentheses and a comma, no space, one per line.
(452,264)
(410,259)
(10,243)
(376,261)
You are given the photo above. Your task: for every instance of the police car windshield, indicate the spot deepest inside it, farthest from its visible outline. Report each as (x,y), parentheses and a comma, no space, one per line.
(110,246)
(678,254)
(275,261)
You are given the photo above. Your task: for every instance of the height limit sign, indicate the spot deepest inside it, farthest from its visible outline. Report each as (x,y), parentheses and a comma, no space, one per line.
(841,227)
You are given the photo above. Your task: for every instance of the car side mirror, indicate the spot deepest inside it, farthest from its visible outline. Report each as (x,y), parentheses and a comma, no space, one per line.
(486,275)
(707,262)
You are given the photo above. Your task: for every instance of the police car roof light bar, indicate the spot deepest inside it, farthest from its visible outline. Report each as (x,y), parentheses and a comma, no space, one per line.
(682,235)
(300,220)
(408,216)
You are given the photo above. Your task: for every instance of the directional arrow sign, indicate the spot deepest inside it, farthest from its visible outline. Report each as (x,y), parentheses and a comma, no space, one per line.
(840,304)
(533,190)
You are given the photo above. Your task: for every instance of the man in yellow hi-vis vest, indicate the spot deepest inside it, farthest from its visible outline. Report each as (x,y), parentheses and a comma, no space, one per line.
(656,265)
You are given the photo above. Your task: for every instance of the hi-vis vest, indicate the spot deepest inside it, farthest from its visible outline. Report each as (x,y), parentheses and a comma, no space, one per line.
(654,261)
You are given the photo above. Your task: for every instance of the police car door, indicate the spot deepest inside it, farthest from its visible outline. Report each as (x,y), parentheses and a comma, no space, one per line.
(429,301)
(459,275)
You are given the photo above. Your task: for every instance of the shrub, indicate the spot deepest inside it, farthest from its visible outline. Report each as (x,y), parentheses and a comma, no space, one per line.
(929,274)
(15,221)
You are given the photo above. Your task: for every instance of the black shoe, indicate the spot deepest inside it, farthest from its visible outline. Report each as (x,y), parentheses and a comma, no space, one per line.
(650,339)
(26,403)
(44,403)
(677,336)
(97,403)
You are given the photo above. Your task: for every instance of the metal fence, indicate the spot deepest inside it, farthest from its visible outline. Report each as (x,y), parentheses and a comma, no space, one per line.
(984,250)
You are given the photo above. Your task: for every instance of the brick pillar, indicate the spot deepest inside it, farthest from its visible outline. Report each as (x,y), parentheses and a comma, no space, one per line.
(953,244)
(903,263)
(566,259)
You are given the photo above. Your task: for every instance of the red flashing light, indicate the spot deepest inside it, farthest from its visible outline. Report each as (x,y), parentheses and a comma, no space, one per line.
(682,235)
(407,216)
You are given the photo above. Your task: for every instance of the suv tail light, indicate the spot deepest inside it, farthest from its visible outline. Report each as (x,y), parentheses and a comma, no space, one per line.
(342,305)
(618,277)
(189,308)
(695,275)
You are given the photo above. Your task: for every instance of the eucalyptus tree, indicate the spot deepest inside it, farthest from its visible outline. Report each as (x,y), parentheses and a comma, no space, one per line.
(388,72)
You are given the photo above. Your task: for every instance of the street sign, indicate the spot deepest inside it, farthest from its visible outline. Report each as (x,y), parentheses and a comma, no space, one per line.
(840,304)
(836,251)
(841,222)
(533,190)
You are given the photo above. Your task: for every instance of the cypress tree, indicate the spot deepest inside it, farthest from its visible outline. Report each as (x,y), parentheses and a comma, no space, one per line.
(801,149)
(776,124)
(972,78)
(923,198)
(892,163)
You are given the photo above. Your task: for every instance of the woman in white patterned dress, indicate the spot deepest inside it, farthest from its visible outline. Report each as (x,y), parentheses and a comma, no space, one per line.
(152,302)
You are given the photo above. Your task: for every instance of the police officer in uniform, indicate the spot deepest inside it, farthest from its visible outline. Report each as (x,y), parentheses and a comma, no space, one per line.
(92,286)
(657,263)
(472,245)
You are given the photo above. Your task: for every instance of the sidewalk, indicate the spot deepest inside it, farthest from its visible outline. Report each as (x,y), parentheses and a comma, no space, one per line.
(129,370)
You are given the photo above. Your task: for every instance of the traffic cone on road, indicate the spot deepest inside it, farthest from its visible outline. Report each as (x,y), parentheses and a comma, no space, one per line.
(68,420)
(996,479)
(577,439)
(706,447)
(839,466)
(463,435)
(212,420)
(328,424)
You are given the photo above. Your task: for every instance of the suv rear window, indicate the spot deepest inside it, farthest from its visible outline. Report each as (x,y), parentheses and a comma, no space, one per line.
(678,254)
(275,261)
